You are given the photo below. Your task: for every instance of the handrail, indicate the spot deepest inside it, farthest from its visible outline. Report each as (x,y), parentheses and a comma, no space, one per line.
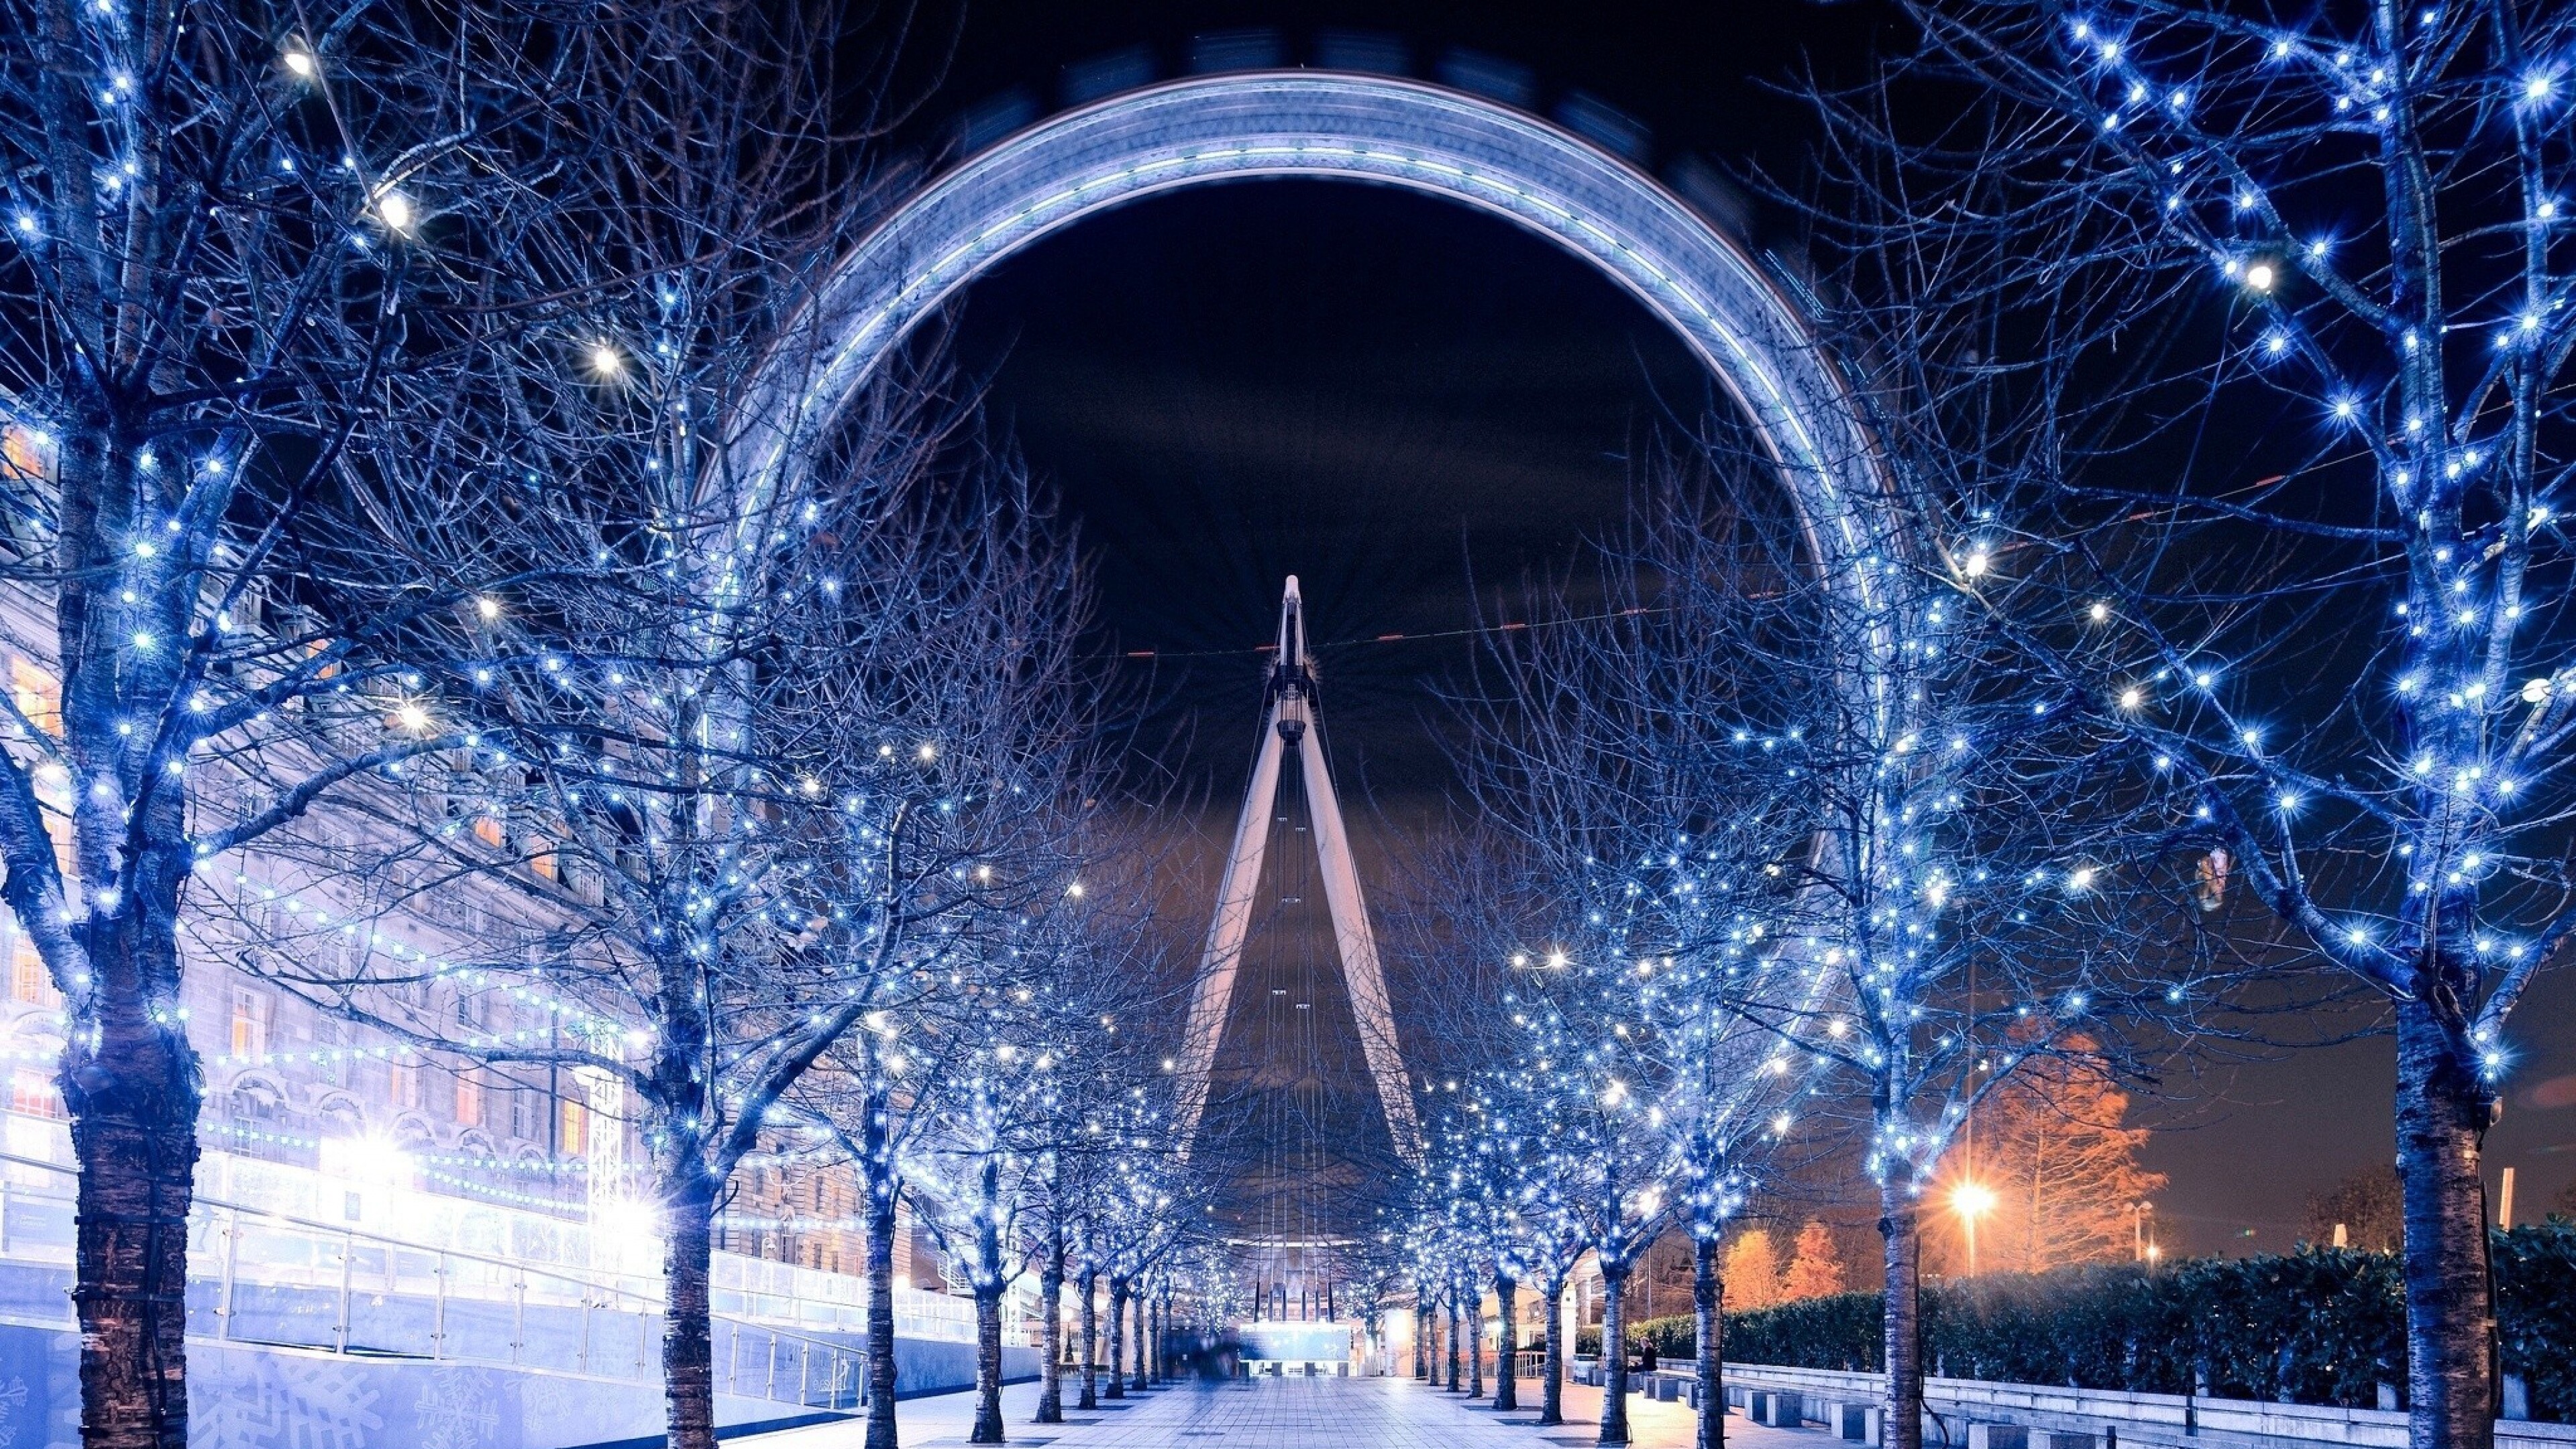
(619,1290)
(768,1289)
(564,1271)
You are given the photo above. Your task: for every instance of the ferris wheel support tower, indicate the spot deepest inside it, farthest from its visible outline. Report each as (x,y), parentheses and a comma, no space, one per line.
(1289,722)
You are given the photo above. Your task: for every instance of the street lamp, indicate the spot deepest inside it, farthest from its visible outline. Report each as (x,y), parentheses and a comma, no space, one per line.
(1971,1201)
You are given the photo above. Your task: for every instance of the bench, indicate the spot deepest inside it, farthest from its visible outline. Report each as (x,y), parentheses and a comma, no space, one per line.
(2024,1436)
(1785,1409)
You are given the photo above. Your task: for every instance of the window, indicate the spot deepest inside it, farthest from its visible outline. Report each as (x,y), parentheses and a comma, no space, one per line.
(402,1085)
(252,1012)
(28,980)
(33,1094)
(488,829)
(38,695)
(541,858)
(469,1100)
(572,1128)
(253,1105)
(23,454)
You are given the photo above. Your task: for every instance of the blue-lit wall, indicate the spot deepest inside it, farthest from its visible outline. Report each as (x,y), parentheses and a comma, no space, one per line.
(277,1398)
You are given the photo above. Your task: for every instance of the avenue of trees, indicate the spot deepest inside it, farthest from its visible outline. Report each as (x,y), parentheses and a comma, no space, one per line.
(397,494)
(377,389)
(2217,359)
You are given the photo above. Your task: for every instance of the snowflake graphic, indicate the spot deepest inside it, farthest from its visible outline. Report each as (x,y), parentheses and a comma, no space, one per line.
(13,1404)
(272,1401)
(455,1411)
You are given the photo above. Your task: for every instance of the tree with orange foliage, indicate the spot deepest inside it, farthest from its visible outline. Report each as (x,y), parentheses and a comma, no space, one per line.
(1815,1268)
(2051,1147)
(1752,1276)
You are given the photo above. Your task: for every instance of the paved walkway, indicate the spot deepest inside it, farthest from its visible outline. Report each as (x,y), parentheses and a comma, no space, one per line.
(1292,1413)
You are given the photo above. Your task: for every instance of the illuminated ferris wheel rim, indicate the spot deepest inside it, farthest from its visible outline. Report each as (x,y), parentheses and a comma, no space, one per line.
(1367,128)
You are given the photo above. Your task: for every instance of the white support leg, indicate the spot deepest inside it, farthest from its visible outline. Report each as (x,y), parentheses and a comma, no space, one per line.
(1362,974)
(1212,993)
(1289,717)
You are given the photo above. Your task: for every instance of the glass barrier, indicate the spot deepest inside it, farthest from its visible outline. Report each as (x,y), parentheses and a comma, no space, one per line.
(262,1276)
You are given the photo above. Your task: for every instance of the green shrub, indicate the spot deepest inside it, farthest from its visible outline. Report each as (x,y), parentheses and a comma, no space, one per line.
(2319,1326)
(1672,1337)
(1839,1331)
(2535,1270)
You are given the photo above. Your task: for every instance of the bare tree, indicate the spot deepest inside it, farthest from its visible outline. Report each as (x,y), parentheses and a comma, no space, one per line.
(207,273)
(276,282)
(1614,880)
(1018,1148)
(1113,980)
(743,824)
(1812,829)
(2304,277)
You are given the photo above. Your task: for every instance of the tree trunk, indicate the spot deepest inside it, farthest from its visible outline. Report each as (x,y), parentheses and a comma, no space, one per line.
(990,1275)
(1708,1335)
(1475,1340)
(1614,1353)
(1507,1294)
(137,1152)
(1901,1414)
(2443,1111)
(1551,1389)
(1453,1340)
(1421,1340)
(878,1180)
(688,1343)
(1089,1284)
(1137,1318)
(1444,1343)
(988,1365)
(1051,1327)
(1117,1339)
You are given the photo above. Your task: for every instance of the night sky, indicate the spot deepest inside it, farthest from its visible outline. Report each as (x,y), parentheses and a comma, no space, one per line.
(1399,400)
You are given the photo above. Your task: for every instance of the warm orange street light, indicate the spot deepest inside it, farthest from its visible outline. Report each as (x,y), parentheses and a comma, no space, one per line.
(1971,1201)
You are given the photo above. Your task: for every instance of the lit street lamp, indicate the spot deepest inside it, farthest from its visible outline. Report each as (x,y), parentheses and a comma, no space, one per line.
(1971,1201)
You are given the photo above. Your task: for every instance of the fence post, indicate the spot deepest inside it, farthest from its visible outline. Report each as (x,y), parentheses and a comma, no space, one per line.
(438,1309)
(232,1264)
(771,1378)
(587,1297)
(348,1264)
(518,1310)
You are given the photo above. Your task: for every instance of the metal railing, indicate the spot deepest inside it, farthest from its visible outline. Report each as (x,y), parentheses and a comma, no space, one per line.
(262,1277)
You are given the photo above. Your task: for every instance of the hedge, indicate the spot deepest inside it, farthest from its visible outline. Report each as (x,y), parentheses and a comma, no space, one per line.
(2319,1326)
